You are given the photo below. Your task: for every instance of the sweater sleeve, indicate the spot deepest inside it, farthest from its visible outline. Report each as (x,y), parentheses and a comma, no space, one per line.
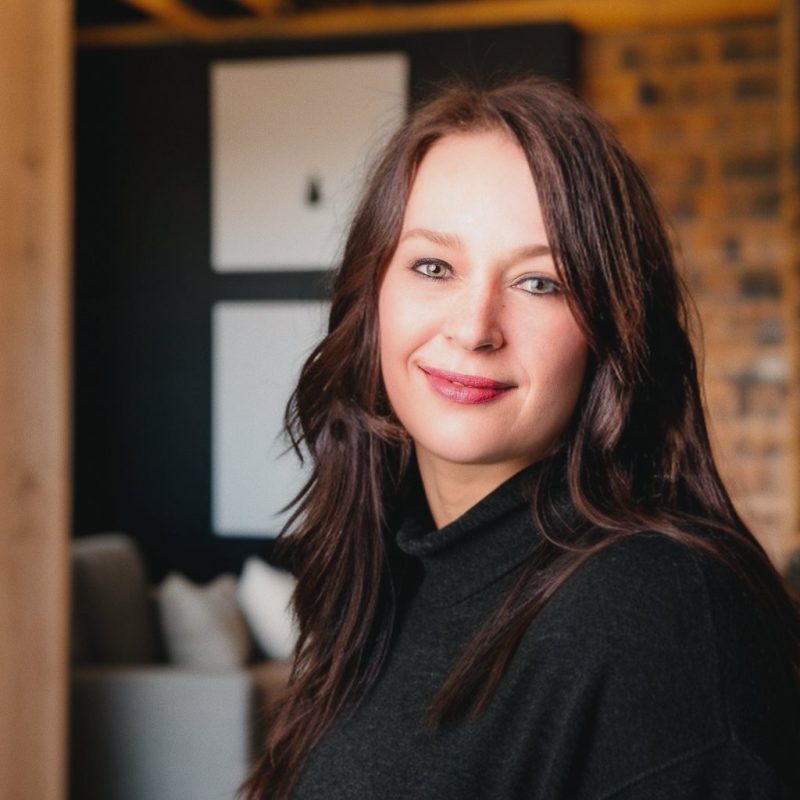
(673,685)
(723,771)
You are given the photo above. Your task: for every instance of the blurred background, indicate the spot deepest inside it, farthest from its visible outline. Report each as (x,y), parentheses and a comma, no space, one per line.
(175,179)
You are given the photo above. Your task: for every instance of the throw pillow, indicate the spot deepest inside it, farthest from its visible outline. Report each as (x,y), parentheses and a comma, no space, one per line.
(264,595)
(111,620)
(202,625)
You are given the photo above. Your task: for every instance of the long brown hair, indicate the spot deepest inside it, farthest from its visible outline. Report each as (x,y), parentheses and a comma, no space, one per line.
(636,455)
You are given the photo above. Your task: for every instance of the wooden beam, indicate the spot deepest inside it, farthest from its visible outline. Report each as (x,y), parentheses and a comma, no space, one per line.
(586,15)
(35,335)
(262,8)
(133,34)
(183,21)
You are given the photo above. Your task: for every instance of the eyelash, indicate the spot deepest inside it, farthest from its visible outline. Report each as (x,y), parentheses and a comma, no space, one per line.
(419,265)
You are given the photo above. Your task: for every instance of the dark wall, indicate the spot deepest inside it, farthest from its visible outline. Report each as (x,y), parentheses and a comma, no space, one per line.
(144,286)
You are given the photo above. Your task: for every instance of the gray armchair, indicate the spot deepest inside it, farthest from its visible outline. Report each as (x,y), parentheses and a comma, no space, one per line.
(141,729)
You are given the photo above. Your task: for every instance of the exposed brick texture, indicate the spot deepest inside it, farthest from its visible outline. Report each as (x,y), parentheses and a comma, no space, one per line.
(700,109)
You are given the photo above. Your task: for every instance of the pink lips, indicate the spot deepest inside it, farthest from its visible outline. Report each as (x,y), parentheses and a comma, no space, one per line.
(466,389)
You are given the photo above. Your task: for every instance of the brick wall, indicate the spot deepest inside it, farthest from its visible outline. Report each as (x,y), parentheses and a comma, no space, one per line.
(700,109)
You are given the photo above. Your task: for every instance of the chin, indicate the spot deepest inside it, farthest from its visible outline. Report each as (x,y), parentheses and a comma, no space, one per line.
(474,456)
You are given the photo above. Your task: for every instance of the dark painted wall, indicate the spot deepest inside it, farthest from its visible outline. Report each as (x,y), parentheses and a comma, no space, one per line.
(144,285)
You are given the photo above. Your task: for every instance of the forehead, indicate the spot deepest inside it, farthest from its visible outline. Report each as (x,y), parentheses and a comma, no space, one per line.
(476,185)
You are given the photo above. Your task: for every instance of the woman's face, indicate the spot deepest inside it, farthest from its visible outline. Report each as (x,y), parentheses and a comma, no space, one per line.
(481,357)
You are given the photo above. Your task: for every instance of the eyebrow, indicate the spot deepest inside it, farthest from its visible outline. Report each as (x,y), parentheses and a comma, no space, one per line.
(454,242)
(451,240)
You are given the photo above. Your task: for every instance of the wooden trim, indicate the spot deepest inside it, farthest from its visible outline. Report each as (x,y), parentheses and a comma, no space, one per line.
(790,221)
(132,34)
(586,15)
(263,8)
(178,17)
(35,335)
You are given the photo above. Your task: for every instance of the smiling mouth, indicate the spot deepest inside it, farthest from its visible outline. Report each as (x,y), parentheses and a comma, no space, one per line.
(465,389)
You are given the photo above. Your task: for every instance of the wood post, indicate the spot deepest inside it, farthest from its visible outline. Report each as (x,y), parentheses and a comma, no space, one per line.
(35,333)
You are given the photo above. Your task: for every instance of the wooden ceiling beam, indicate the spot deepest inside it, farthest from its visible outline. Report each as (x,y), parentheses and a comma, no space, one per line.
(261,8)
(180,19)
(586,15)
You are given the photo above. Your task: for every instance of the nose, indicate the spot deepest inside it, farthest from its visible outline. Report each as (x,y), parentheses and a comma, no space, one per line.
(474,319)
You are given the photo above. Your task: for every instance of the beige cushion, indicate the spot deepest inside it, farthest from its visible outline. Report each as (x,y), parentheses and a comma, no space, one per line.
(111,622)
(264,596)
(203,627)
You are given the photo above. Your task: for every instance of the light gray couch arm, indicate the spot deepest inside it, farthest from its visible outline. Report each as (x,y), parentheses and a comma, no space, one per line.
(153,732)
(269,678)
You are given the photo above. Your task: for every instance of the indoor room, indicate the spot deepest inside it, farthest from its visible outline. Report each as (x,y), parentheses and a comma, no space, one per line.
(262,354)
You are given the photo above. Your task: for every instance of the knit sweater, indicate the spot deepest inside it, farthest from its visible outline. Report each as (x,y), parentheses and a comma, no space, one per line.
(647,676)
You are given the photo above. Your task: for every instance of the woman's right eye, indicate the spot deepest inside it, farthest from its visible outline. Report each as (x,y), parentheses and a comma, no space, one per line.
(431,268)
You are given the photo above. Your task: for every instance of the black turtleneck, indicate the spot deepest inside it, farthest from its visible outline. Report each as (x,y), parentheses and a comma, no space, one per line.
(646,677)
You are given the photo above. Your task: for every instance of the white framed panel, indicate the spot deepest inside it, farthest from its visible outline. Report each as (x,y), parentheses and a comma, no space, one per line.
(258,349)
(291,139)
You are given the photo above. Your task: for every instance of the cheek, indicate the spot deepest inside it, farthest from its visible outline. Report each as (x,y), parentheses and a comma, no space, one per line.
(386,326)
(561,352)
(391,336)
(400,324)
(573,355)
(404,329)
(574,372)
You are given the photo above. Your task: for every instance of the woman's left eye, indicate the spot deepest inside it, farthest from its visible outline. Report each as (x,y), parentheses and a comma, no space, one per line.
(538,285)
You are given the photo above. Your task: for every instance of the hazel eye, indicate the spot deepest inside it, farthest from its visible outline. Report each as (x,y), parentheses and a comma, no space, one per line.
(538,285)
(431,268)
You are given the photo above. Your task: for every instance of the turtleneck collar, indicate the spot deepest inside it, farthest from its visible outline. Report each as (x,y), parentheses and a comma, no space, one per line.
(478,548)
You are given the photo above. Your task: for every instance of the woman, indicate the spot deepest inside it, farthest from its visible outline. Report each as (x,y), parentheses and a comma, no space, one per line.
(519,574)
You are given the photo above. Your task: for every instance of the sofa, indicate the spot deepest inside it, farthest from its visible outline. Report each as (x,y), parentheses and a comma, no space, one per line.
(158,712)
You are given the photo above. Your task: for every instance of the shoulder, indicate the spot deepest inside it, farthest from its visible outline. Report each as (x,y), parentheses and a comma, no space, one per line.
(669,598)
(671,645)
(643,583)
(652,576)
(648,556)
(639,604)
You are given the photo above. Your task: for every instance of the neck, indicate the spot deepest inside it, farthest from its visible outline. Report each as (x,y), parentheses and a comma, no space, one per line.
(452,489)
